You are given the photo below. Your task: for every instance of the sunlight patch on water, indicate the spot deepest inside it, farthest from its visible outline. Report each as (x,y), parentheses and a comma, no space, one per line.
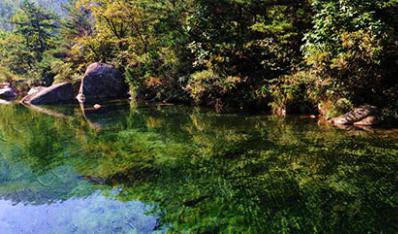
(94,214)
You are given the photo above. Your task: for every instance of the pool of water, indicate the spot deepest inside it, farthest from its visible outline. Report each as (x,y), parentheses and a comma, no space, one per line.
(175,169)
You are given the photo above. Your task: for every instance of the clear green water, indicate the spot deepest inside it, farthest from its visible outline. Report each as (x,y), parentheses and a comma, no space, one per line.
(183,170)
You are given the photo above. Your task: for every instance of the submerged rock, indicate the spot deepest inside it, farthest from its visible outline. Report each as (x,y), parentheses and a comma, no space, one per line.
(97,106)
(55,94)
(102,82)
(364,115)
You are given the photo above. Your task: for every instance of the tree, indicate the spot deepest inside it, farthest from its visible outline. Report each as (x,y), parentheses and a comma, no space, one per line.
(77,23)
(144,38)
(36,26)
(348,48)
(15,56)
(254,41)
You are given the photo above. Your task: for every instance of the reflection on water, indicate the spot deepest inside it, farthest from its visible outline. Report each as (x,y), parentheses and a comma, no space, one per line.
(93,214)
(198,171)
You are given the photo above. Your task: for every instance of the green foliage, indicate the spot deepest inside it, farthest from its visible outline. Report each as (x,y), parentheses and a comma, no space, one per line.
(26,51)
(8,8)
(295,93)
(228,53)
(15,55)
(347,48)
(7,76)
(349,56)
(256,41)
(208,87)
(64,71)
(142,38)
(36,27)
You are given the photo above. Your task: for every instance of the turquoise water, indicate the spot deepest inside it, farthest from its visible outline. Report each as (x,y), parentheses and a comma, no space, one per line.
(174,169)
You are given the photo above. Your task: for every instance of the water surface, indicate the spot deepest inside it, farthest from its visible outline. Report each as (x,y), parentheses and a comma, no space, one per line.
(176,169)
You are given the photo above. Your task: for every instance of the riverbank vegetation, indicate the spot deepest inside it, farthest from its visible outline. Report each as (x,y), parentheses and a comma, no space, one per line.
(282,55)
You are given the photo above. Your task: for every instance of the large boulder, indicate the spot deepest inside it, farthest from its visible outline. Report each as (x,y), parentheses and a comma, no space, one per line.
(55,94)
(7,93)
(102,82)
(364,115)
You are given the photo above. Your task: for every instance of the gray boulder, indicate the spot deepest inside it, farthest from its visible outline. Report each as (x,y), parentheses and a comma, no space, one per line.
(364,115)
(55,94)
(102,82)
(7,93)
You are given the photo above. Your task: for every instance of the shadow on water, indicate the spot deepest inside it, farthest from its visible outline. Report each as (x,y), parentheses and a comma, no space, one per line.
(200,171)
(109,115)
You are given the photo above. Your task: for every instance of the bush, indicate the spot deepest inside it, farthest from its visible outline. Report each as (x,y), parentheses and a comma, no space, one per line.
(209,87)
(295,93)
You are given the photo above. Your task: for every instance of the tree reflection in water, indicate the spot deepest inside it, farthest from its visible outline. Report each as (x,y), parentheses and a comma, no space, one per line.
(205,172)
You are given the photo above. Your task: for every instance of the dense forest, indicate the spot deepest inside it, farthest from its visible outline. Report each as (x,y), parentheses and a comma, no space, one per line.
(294,56)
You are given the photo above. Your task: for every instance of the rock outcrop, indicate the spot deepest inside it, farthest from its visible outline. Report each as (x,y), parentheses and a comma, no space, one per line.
(364,116)
(55,94)
(102,82)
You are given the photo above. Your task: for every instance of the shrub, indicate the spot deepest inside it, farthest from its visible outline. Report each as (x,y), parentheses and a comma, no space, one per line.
(209,87)
(297,92)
